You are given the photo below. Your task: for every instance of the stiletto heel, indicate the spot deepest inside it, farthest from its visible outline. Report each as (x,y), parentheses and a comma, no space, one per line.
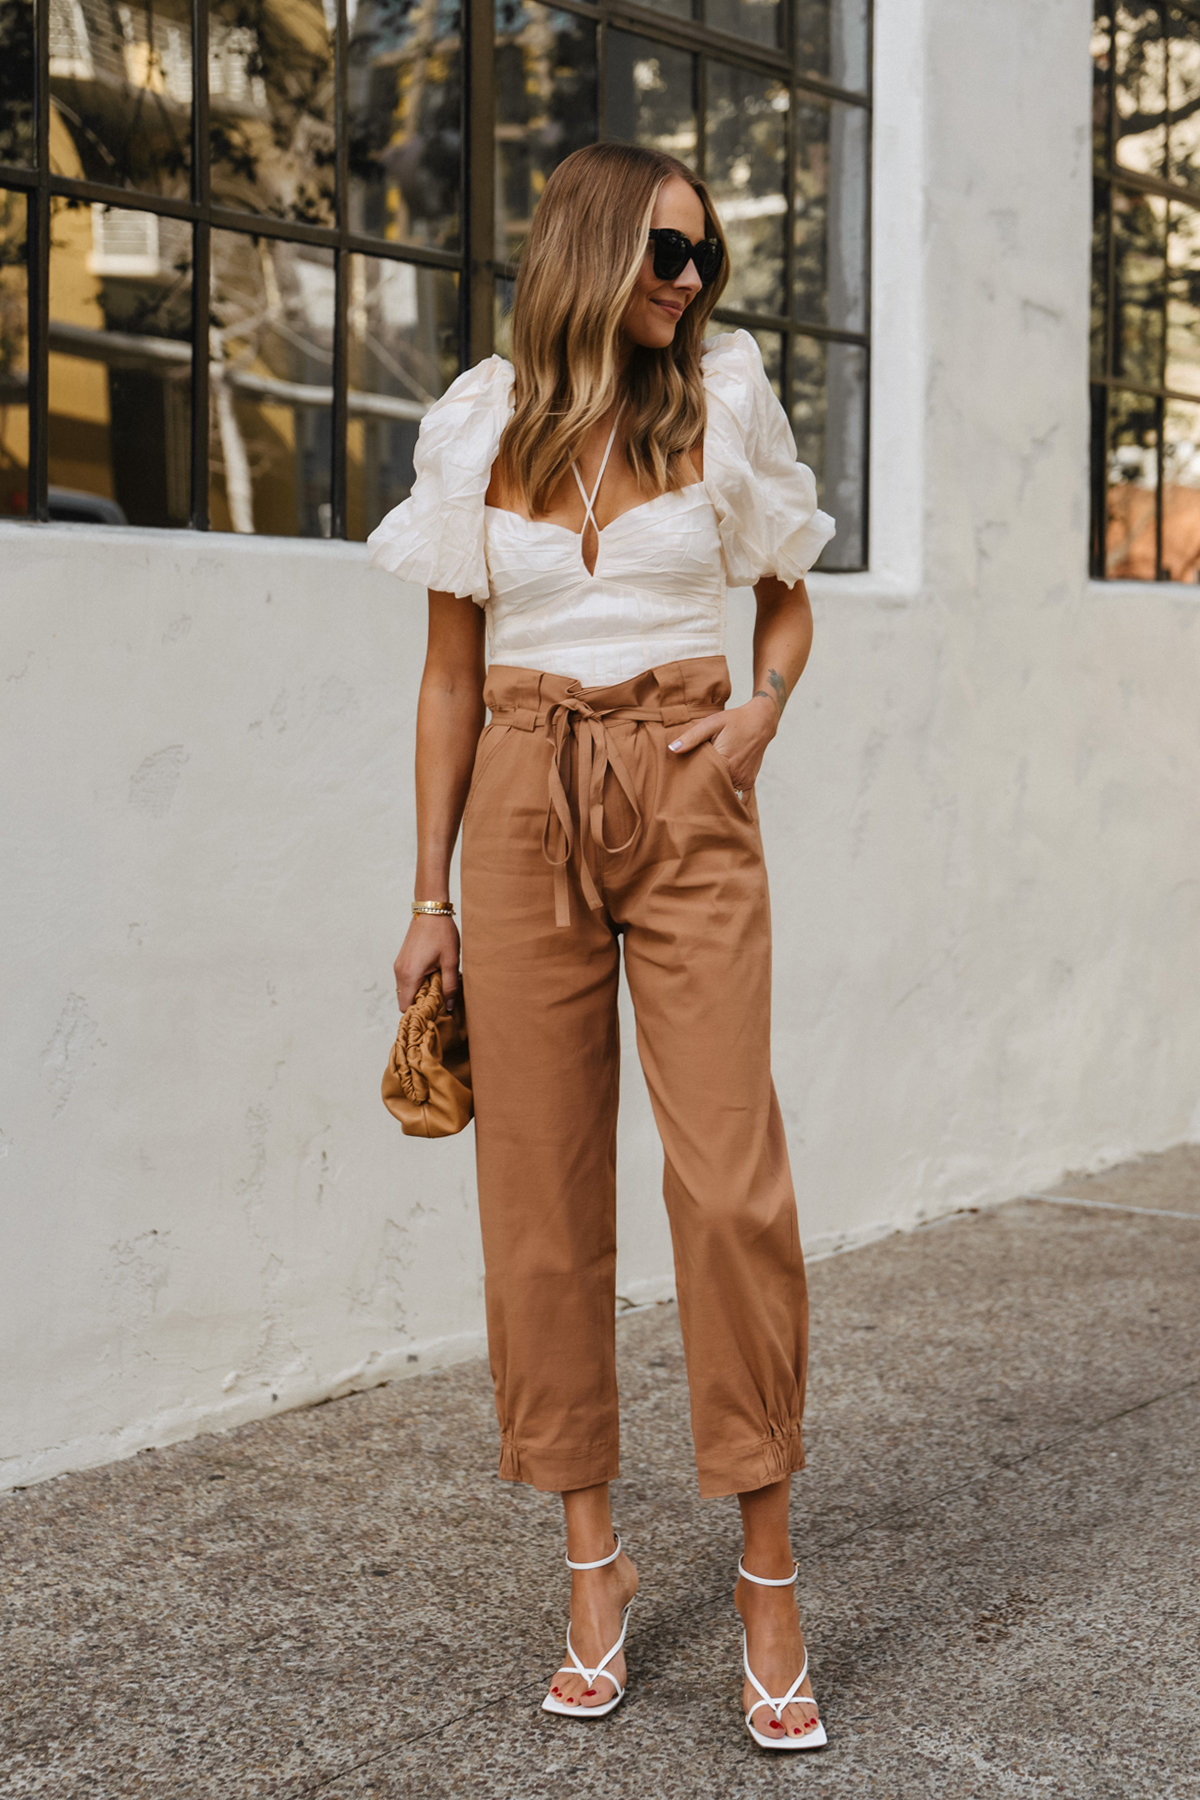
(575,1667)
(812,1740)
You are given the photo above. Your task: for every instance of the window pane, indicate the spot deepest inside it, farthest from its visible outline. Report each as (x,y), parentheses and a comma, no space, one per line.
(271,104)
(1101,67)
(651,95)
(120,365)
(1139,275)
(405,110)
(1181,491)
(545,107)
(746,127)
(1141,56)
(758,20)
(121,80)
(272,393)
(829,418)
(832,162)
(403,353)
(832,40)
(14,359)
(1183,91)
(1130,529)
(16,81)
(1183,301)
(679,9)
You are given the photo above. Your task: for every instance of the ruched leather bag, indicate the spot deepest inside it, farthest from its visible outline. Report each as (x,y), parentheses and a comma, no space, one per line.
(427,1083)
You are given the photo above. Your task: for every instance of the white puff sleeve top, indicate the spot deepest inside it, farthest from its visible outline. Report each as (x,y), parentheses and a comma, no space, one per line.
(657,593)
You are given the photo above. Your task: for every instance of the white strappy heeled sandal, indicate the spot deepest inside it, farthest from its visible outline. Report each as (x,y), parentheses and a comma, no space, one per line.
(577,1710)
(812,1740)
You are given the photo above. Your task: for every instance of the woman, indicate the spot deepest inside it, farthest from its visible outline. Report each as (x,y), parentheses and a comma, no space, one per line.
(586,508)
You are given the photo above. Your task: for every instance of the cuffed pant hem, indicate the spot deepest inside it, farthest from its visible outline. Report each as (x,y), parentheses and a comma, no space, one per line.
(560,1473)
(760,1464)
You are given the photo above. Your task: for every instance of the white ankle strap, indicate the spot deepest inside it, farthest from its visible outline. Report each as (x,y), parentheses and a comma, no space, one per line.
(765,1580)
(605,1560)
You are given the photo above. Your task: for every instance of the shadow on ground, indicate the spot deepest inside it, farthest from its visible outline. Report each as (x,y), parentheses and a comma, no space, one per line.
(997,1533)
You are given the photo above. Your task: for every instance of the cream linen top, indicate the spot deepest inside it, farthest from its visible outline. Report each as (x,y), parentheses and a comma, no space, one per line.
(657,593)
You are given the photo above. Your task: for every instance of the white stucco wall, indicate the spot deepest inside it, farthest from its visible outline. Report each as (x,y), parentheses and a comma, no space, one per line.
(982,816)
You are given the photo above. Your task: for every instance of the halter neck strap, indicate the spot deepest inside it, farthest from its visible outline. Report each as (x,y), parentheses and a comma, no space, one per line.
(590,501)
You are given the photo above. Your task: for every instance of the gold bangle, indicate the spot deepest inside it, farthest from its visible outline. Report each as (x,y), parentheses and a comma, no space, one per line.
(439,908)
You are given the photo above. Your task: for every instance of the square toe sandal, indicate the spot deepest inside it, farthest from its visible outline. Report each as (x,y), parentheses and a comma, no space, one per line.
(812,1740)
(575,1667)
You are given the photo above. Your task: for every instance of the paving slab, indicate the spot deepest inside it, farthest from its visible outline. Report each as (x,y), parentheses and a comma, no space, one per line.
(997,1533)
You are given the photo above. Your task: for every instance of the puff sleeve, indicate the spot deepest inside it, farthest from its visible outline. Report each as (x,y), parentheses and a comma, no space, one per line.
(766,501)
(435,537)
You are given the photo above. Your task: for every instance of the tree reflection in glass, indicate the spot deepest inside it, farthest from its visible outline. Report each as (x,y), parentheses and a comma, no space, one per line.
(829,418)
(405,132)
(833,41)
(403,353)
(14,358)
(651,95)
(545,107)
(271,108)
(121,81)
(271,378)
(746,127)
(16,82)
(829,271)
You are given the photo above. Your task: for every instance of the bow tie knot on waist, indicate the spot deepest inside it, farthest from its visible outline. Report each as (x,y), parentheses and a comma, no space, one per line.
(566,717)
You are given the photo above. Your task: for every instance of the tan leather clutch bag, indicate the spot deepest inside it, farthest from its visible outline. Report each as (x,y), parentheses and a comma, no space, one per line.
(427,1083)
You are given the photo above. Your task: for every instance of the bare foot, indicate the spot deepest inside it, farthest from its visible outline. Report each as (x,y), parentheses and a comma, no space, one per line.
(775,1647)
(598,1598)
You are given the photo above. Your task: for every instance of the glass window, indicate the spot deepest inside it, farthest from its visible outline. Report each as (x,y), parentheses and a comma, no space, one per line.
(756,20)
(405,94)
(650,95)
(16,81)
(120,365)
(121,77)
(14,359)
(834,41)
(1145,308)
(829,279)
(347,282)
(546,95)
(403,353)
(745,140)
(271,102)
(272,309)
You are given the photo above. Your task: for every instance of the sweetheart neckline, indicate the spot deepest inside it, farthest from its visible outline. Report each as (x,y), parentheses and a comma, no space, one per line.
(667,494)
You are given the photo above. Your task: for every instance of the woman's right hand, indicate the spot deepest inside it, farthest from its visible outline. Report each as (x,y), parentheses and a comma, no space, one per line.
(431,942)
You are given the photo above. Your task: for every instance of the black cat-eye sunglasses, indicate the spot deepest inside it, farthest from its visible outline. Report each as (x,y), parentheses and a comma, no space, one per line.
(673,253)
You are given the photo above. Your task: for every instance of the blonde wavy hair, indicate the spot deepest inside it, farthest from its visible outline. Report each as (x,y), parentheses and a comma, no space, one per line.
(578,270)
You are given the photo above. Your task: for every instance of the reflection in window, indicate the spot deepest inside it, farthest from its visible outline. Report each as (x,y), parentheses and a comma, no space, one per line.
(757,20)
(16,82)
(1145,303)
(833,41)
(829,387)
(14,359)
(746,126)
(403,353)
(829,280)
(121,78)
(651,95)
(545,107)
(405,132)
(271,108)
(272,386)
(120,364)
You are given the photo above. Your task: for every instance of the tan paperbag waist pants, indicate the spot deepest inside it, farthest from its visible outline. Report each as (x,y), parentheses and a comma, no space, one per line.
(582,831)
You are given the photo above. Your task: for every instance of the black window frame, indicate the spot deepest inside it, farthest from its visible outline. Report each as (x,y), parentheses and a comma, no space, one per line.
(475,263)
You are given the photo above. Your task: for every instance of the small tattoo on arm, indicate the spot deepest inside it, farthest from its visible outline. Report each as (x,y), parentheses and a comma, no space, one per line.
(777,691)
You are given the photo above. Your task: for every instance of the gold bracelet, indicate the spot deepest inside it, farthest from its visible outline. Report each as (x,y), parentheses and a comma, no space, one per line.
(439,908)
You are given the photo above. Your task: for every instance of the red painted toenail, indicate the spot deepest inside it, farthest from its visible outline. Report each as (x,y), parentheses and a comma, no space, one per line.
(589,1693)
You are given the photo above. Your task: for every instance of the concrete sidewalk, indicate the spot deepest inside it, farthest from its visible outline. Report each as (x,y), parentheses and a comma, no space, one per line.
(997,1531)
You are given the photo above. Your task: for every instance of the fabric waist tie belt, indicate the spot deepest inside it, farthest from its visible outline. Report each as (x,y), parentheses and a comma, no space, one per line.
(571,716)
